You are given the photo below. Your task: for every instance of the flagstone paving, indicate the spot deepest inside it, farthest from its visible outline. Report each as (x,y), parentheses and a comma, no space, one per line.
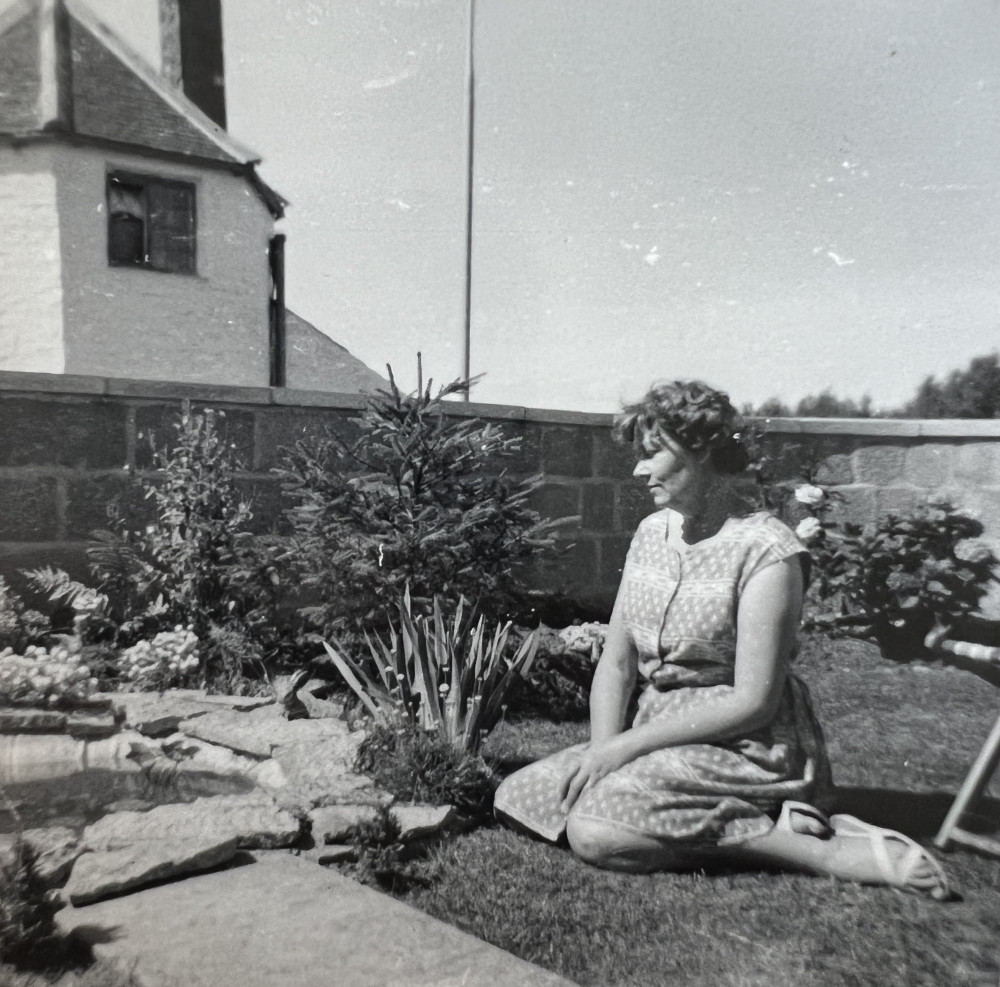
(278,920)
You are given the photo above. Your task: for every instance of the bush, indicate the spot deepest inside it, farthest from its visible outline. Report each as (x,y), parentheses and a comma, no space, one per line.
(420,766)
(195,566)
(896,579)
(383,860)
(558,689)
(26,913)
(47,678)
(444,674)
(418,500)
(19,626)
(559,683)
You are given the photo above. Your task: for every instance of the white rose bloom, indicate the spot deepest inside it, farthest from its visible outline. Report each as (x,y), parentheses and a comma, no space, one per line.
(808,530)
(973,550)
(810,495)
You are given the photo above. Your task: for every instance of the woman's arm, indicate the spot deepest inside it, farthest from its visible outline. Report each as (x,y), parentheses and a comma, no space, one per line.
(614,680)
(767,619)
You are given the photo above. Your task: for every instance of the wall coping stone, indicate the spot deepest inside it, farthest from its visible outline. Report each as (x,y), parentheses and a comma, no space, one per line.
(957,428)
(291,397)
(16,380)
(20,381)
(167,390)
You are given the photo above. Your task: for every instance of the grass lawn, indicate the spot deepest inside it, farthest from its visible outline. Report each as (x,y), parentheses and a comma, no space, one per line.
(97,975)
(901,738)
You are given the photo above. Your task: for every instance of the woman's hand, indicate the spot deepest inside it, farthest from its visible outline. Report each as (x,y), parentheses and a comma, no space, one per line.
(595,761)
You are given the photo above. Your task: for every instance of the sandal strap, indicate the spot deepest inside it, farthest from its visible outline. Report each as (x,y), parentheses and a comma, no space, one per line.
(898,871)
(789,807)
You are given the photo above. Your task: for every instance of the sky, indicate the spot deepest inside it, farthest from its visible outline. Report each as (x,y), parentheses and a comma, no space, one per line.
(778,197)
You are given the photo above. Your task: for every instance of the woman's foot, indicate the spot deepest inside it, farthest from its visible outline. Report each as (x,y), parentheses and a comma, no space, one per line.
(848,849)
(901,862)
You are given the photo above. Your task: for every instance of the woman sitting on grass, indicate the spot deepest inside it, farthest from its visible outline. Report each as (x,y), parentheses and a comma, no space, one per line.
(724,752)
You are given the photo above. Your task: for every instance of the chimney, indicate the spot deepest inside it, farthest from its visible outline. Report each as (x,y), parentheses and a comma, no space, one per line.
(191,47)
(55,99)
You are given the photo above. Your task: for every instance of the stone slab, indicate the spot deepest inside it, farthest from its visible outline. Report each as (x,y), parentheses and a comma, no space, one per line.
(259,731)
(418,821)
(194,757)
(334,853)
(158,714)
(94,725)
(283,920)
(319,773)
(28,720)
(334,823)
(252,820)
(117,872)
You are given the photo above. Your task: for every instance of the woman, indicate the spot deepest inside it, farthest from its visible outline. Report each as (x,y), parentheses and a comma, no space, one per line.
(723,752)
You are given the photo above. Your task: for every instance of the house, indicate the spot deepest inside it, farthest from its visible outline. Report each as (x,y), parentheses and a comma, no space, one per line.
(140,240)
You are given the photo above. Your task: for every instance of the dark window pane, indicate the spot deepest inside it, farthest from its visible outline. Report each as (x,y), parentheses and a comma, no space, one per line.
(126,240)
(171,227)
(151,223)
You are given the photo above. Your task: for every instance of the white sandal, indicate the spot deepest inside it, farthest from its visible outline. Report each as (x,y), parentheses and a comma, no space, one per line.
(896,872)
(788,809)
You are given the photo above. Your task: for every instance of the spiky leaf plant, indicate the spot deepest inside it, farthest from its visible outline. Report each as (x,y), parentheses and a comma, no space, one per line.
(445,673)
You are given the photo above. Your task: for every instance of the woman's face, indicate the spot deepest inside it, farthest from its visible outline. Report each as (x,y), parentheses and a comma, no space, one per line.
(674,476)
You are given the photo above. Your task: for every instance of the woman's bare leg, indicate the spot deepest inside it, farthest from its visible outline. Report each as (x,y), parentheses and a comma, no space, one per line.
(609,846)
(848,858)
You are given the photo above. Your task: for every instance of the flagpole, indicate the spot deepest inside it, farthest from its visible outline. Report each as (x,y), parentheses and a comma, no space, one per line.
(471,133)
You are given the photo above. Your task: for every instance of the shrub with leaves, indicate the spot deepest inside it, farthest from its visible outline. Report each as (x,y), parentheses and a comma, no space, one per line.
(47,678)
(418,499)
(421,766)
(447,674)
(161,662)
(383,860)
(558,686)
(19,626)
(196,564)
(895,579)
(26,912)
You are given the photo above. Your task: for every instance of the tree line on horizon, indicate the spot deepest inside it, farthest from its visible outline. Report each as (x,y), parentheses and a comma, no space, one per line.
(970,393)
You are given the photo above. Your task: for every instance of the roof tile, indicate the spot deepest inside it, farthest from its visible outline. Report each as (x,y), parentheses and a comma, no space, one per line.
(111,101)
(20,78)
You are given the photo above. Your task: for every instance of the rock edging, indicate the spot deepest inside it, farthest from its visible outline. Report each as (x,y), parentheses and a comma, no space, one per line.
(305,794)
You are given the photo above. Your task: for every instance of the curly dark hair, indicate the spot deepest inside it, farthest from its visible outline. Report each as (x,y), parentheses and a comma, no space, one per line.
(697,416)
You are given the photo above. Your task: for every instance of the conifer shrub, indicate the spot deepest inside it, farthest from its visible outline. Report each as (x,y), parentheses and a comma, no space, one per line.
(419,498)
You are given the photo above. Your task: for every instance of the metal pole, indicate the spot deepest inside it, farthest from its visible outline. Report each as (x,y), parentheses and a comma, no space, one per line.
(471,82)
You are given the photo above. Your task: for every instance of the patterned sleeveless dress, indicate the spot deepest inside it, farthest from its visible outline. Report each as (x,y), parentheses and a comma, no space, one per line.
(679,607)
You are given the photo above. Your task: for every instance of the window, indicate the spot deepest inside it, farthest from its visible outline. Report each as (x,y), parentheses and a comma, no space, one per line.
(151,223)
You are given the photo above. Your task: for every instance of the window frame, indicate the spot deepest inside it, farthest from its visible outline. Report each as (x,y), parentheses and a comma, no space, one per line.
(157,240)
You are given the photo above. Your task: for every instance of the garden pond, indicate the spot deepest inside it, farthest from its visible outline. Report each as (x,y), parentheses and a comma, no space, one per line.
(56,780)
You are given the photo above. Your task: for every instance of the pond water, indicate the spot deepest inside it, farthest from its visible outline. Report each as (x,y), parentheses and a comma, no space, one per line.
(57,781)
(78,800)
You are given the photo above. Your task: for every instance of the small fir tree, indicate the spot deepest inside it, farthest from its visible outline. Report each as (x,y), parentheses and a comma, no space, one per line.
(421,499)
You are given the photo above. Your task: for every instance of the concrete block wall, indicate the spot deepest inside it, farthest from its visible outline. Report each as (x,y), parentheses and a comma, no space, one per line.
(881,466)
(65,442)
(68,445)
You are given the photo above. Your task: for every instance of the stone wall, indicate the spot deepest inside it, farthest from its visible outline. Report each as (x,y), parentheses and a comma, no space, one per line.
(888,465)
(65,441)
